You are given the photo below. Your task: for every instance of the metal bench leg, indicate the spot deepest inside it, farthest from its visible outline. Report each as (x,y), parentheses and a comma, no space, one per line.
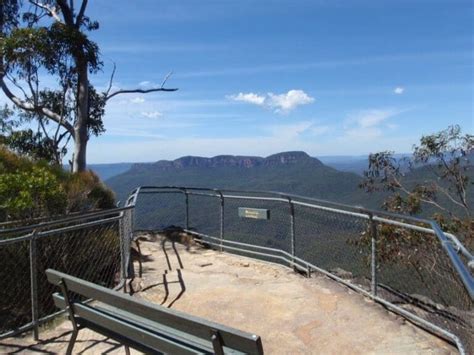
(72,341)
(216,342)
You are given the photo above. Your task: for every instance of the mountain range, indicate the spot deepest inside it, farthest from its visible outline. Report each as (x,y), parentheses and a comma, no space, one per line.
(290,172)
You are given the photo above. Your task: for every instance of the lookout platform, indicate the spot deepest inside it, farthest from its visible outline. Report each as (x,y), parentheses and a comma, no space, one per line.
(292,314)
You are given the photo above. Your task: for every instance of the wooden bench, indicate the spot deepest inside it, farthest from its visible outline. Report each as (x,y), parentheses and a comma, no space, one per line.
(143,325)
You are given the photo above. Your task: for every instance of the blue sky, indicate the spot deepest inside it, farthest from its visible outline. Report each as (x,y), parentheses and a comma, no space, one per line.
(258,77)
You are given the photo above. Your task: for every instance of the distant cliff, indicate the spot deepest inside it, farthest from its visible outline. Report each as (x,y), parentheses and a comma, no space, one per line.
(285,158)
(291,172)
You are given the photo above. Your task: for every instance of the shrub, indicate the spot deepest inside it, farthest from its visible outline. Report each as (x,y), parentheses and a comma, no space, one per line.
(32,189)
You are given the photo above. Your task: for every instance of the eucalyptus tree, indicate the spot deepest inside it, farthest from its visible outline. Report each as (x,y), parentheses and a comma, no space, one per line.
(50,39)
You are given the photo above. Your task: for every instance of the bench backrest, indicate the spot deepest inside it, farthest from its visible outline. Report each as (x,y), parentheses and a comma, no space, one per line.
(158,316)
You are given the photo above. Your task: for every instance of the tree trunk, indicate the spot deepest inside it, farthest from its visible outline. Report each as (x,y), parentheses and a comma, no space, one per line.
(80,128)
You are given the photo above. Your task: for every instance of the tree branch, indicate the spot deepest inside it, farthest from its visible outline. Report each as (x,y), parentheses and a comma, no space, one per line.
(453,200)
(34,108)
(80,16)
(18,86)
(67,12)
(111,80)
(139,91)
(431,202)
(50,10)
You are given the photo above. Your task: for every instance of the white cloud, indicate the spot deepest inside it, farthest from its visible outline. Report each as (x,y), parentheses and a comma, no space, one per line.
(151,114)
(399,90)
(371,118)
(250,98)
(281,103)
(368,124)
(137,100)
(289,101)
(144,83)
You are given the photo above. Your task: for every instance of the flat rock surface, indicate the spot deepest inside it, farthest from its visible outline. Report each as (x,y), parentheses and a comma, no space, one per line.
(293,314)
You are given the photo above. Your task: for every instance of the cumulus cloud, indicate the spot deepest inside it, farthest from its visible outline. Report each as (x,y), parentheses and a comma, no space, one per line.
(281,103)
(399,90)
(137,100)
(289,101)
(151,114)
(250,98)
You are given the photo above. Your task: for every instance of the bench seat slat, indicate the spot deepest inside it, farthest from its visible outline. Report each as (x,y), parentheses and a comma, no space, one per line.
(133,333)
(156,327)
(198,327)
(146,324)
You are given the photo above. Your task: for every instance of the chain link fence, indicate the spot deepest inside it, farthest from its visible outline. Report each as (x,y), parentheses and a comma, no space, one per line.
(93,246)
(401,262)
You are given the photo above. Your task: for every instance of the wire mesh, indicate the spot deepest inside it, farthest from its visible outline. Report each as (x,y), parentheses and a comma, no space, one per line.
(329,240)
(158,210)
(15,292)
(204,214)
(415,272)
(92,254)
(274,232)
(340,242)
(90,250)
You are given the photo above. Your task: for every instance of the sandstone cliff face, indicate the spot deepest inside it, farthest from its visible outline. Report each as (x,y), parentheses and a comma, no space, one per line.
(285,158)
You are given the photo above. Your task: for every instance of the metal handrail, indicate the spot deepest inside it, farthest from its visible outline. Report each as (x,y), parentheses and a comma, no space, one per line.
(74,218)
(358,211)
(450,244)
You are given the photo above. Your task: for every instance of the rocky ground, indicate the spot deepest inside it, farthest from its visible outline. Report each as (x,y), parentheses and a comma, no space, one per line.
(292,314)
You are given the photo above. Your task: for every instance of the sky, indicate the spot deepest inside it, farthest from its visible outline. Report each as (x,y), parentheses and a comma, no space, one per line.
(258,77)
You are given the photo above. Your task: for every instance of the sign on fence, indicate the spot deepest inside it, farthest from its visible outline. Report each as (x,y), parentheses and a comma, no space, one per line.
(255,213)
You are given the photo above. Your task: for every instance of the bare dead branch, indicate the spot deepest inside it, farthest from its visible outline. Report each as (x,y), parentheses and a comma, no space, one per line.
(142,91)
(138,91)
(107,92)
(166,79)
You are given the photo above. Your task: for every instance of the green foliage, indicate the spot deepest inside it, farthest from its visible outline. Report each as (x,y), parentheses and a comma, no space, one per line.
(31,194)
(438,175)
(435,181)
(30,189)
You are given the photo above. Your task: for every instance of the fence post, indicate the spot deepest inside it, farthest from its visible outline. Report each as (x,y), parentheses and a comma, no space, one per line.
(292,232)
(373,255)
(125,234)
(222,221)
(34,285)
(186,221)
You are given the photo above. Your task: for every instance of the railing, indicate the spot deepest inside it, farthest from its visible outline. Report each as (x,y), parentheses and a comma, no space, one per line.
(93,246)
(407,264)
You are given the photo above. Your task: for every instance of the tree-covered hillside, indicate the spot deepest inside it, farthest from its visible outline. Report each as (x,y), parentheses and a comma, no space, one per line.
(292,172)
